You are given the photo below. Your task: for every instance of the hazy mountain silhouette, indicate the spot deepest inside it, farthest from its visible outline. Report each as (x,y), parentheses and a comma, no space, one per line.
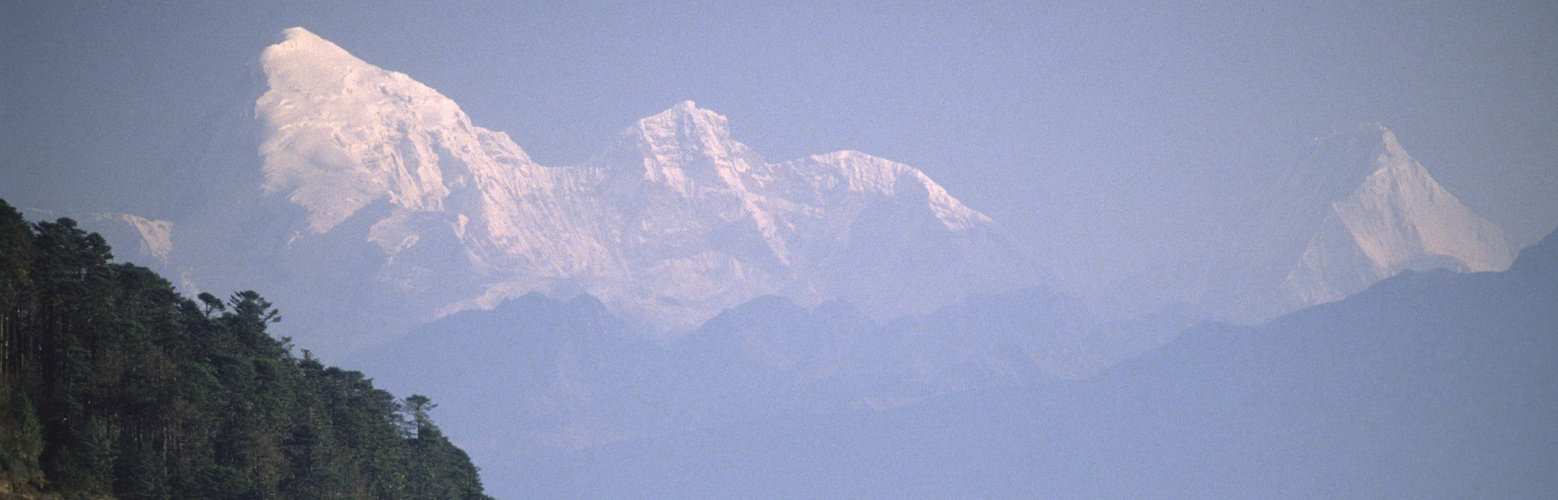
(538,378)
(1427,385)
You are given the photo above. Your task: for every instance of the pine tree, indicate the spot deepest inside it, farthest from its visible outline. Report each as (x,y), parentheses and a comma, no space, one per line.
(114,384)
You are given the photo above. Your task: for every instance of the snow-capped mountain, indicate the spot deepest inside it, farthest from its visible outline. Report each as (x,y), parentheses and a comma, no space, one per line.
(375,185)
(1395,218)
(1357,209)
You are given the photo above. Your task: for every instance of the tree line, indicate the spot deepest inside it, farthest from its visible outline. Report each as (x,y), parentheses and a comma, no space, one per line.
(113,385)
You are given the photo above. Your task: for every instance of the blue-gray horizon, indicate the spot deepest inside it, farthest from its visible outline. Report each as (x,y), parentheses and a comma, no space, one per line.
(1113,139)
(701,249)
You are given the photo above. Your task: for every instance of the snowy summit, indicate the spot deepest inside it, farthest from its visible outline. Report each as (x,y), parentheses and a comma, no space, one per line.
(1394,219)
(674,223)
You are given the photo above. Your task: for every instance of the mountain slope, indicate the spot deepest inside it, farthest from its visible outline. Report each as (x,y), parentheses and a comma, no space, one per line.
(377,190)
(537,378)
(1397,218)
(1356,210)
(1426,385)
(114,386)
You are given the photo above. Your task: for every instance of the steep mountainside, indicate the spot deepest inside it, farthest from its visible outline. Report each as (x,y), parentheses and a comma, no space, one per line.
(374,204)
(1397,218)
(114,386)
(1357,210)
(378,191)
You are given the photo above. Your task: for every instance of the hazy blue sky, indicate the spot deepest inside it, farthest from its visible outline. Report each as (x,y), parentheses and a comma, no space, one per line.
(1105,135)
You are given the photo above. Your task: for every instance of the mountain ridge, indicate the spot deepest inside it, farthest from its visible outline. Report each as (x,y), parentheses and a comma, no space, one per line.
(1417,387)
(1355,210)
(369,181)
(381,182)
(1396,218)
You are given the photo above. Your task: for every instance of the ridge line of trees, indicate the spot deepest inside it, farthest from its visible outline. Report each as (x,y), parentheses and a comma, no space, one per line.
(112,385)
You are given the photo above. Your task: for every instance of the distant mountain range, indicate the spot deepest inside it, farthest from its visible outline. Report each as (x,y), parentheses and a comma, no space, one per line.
(1394,218)
(657,296)
(374,205)
(1426,385)
(538,378)
(1356,210)
(367,203)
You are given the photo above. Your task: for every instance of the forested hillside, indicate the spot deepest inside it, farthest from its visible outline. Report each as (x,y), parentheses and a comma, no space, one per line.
(112,385)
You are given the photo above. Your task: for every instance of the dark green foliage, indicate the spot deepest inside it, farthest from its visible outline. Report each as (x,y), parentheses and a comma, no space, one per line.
(219,481)
(448,473)
(114,386)
(21,442)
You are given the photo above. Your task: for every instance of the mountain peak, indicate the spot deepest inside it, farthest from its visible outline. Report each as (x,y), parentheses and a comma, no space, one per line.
(1361,151)
(1392,217)
(682,146)
(687,108)
(341,133)
(300,47)
(302,34)
(1373,130)
(683,124)
(1385,148)
(1362,133)
(673,223)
